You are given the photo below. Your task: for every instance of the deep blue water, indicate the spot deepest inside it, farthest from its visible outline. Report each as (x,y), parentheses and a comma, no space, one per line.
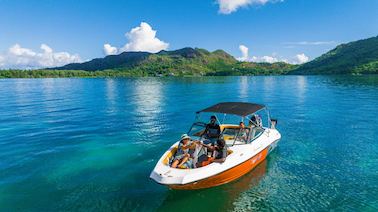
(90,144)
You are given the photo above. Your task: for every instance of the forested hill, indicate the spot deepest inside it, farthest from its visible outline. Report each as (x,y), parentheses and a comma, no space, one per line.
(182,62)
(358,57)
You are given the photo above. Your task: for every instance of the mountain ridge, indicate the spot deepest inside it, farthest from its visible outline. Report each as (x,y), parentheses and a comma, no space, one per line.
(356,57)
(180,62)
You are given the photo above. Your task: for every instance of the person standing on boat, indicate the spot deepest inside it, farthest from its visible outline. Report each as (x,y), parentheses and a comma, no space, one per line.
(212,130)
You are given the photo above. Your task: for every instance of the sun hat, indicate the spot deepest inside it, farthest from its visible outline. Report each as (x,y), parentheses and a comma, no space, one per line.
(185,136)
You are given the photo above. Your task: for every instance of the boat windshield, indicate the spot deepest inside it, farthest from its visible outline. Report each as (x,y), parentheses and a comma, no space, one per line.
(233,135)
(197,129)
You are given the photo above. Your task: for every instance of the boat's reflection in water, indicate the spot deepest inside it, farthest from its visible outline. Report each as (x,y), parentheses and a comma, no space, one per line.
(220,198)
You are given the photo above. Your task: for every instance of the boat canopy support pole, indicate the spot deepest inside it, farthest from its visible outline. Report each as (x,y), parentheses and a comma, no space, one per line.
(268,114)
(224,117)
(217,118)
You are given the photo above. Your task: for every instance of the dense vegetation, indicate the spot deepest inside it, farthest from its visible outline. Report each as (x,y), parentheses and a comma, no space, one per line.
(250,69)
(182,62)
(358,57)
(63,73)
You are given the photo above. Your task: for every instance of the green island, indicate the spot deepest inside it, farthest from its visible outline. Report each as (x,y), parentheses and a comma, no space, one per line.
(358,57)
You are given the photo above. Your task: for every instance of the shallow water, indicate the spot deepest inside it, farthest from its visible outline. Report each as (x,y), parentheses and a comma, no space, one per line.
(90,144)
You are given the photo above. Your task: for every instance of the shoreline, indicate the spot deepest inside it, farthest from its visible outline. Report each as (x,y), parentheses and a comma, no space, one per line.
(45,74)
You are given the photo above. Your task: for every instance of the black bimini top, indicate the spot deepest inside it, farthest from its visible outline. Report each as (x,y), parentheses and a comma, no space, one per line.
(235,108)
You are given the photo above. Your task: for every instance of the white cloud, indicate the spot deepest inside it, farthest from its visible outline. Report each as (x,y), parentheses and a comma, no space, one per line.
(46,49)
(18,57)
(141,38)
(298,59)
(1,61)
(266,59)
(310,43)
(110,50)
(301,58)
(229,6)
(244,50)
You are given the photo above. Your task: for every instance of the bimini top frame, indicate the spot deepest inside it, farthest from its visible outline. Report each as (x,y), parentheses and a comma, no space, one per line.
(236,108)
(242,109)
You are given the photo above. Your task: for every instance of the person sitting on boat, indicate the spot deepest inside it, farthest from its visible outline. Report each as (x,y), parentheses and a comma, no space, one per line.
(182,156)
(243,133)
(212,130)
(220,150)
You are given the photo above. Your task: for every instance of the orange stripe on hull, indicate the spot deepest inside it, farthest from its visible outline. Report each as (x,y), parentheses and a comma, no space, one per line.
(226,176)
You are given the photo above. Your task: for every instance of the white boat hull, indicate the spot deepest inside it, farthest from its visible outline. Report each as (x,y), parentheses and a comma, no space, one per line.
(243,159)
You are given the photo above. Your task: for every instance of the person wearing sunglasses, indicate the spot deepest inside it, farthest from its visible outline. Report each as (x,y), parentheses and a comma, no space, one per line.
(212,130)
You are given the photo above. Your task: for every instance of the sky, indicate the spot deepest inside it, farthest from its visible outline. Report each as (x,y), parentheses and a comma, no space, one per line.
(48,33)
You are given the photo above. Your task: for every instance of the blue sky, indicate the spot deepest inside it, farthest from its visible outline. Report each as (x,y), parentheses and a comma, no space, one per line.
(273,28)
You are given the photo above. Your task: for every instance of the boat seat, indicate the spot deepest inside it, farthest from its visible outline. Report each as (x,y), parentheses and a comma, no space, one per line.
(201,157)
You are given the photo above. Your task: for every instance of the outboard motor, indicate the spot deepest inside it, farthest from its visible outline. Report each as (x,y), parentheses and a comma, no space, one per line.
(273,123)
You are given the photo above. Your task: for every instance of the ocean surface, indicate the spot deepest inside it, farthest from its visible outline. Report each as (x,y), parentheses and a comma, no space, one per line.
(90,144)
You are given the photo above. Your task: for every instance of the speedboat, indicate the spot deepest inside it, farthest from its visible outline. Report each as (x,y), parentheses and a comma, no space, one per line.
(244,152)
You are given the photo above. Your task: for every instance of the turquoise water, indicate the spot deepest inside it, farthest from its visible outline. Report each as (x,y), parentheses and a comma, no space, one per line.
(90,144)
